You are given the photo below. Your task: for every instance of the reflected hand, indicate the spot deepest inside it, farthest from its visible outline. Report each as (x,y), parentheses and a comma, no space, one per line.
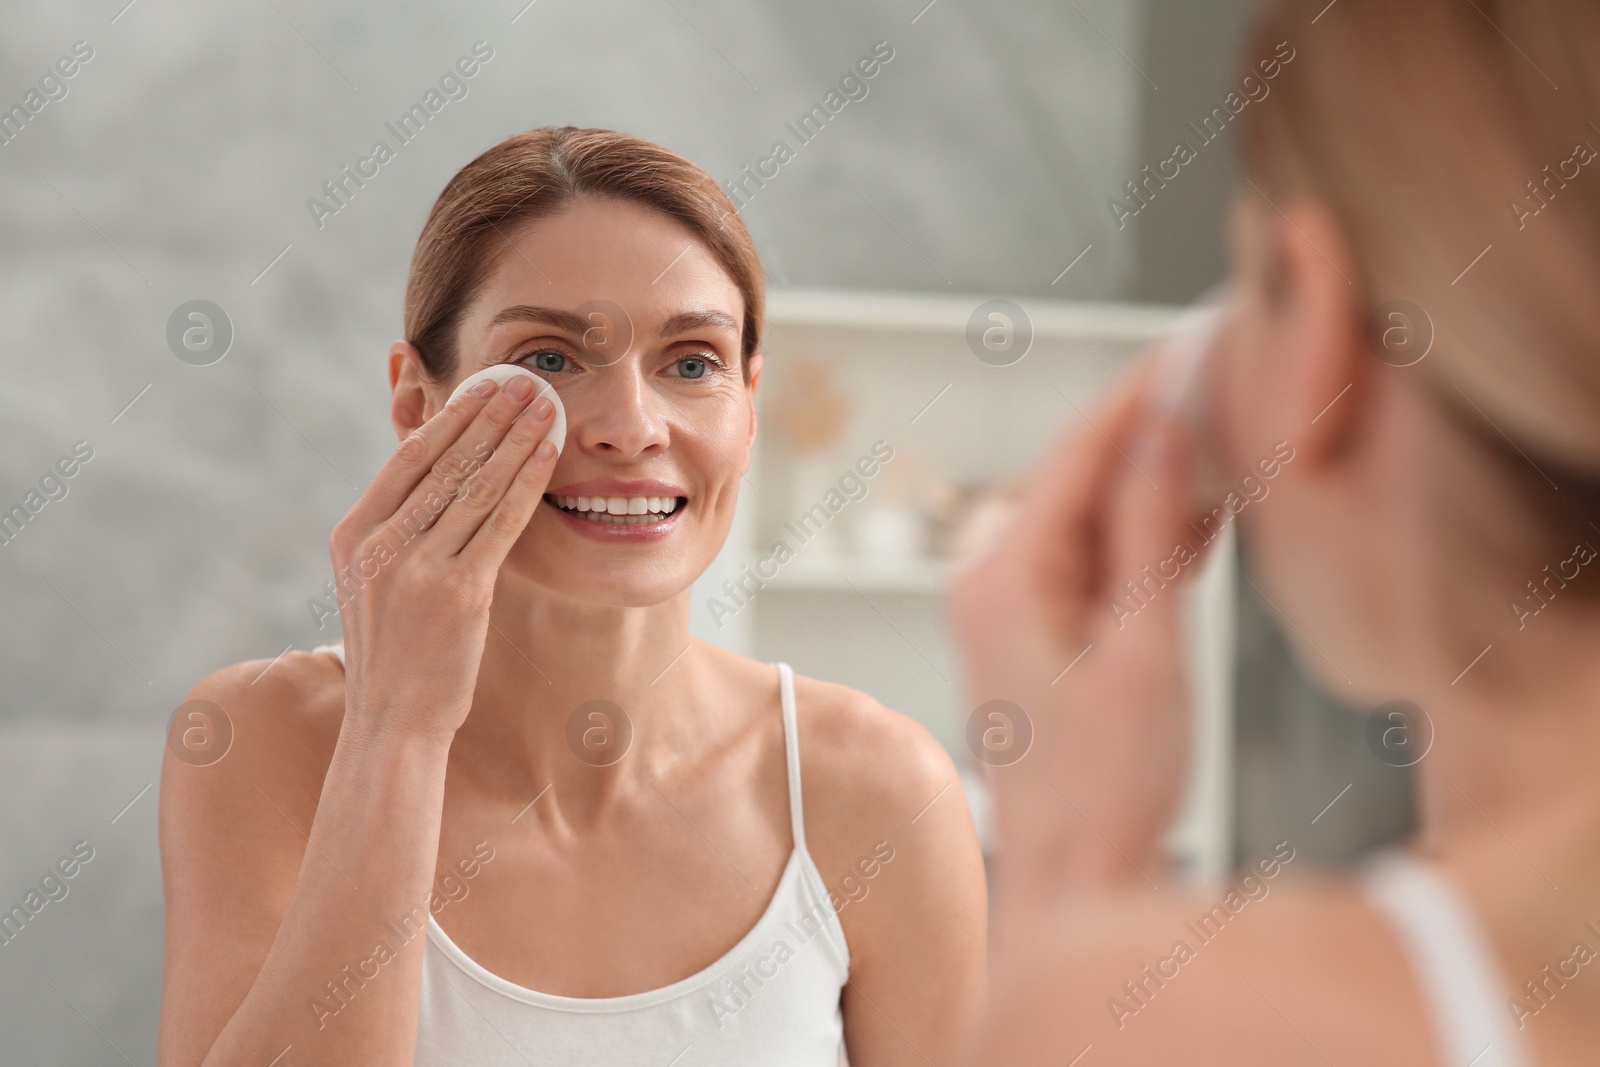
(417,557)
(1103,688)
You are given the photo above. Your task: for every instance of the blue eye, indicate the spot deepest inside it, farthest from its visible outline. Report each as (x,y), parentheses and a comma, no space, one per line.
(692,367)
(551,362)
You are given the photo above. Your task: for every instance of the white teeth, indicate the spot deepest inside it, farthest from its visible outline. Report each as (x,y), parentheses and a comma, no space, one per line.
(620,507)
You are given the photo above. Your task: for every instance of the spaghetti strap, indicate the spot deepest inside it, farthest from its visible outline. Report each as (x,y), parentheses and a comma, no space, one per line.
(791,749)
(1452,960)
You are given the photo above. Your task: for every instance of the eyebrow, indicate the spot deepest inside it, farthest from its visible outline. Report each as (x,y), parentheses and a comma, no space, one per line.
(569,321)
(572,322)
(687,321)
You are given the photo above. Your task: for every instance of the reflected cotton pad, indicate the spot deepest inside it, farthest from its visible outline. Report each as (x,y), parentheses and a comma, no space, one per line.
(503,373)
(1184,389)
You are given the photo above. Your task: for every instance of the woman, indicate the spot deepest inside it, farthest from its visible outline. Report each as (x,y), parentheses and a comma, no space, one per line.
(525,818)
(1430,537)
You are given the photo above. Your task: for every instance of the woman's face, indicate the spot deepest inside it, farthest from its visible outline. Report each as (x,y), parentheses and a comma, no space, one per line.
(637,326)
(1305,418)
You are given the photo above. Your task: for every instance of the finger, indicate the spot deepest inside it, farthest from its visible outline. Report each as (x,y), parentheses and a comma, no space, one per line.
(501,527)
(1061,517)
(1150,548)
(483,491)
(415,456)
(455,470)
(1080,456)
(1036,580)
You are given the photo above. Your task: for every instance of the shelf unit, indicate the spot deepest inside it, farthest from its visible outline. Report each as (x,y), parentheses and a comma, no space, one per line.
(910,380)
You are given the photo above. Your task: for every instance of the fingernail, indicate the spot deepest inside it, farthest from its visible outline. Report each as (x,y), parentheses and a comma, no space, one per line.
(541,409)
(546,450)
(519,388)
(485,388)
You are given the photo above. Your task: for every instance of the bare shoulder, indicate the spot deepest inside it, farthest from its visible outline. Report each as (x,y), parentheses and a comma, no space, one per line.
(860,746)
(885,816)
(258,739)
(1296,970)
(888,827)
(887,821)
(255,724)
(867,770)
(240,781)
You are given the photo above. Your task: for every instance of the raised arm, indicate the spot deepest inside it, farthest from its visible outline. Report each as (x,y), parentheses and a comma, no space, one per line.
(298,866)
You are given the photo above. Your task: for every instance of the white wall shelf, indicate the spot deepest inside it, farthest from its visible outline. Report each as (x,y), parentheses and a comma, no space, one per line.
(921,577)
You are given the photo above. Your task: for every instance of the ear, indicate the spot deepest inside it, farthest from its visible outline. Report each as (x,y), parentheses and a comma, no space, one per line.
(412,402)
(1306,281)
(755,376)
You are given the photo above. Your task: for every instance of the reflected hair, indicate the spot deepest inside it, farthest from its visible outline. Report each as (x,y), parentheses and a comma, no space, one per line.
(1420,127)
(535,174)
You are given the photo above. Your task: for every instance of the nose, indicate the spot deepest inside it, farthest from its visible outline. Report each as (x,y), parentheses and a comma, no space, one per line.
(617,414)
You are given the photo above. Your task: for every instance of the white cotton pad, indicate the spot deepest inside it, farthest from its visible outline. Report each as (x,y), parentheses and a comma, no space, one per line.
(1185,348)
(504,372)
(1184,389)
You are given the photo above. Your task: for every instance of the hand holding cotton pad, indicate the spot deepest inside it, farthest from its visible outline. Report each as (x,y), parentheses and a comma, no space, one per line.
(503,373)
(1184,389)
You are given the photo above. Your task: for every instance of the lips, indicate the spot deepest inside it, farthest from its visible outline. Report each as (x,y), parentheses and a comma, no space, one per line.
(614,510)
(620,510)
(616,507)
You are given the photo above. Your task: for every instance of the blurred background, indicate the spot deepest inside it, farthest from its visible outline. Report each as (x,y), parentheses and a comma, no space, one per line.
(185,160)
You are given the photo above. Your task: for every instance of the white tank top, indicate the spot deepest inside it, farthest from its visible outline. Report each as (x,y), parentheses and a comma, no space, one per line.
(1452,960)
(772,999)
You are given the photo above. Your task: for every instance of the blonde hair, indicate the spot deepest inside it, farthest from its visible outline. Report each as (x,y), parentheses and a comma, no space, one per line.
(1422,125)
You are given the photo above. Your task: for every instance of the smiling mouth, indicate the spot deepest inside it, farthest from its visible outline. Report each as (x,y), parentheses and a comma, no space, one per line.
(618,510)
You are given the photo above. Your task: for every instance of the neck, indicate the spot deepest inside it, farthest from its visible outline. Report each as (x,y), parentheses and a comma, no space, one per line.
(1513,695)
(1515,750)
(1509,795)
(562,686)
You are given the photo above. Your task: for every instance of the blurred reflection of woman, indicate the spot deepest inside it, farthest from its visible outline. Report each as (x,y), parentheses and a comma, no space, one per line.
(1433,539)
